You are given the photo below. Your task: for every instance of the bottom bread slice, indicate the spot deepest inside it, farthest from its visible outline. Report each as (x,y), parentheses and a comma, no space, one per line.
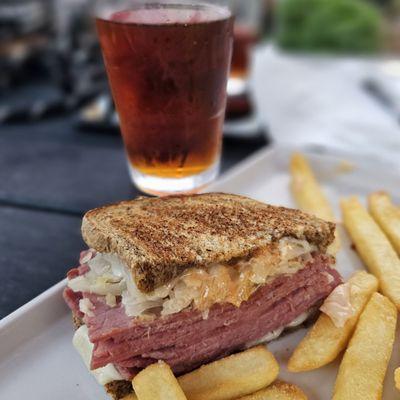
(118,389)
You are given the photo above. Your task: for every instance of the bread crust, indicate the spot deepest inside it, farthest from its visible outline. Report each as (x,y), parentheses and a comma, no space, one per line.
(119,389)
(158,238)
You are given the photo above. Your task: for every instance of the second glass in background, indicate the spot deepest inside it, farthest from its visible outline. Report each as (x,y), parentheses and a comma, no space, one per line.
(249,18)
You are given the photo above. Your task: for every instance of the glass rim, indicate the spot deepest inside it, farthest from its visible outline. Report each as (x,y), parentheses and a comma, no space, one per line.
(221,12)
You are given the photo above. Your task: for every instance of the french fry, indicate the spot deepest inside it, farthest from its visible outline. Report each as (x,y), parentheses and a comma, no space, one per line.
(278,391)
(157,382)
(306,190)
(373,247)
(130,396)
(231,377)
(363,368)
(308,194)
(387,215)
(324,341)
(397,378)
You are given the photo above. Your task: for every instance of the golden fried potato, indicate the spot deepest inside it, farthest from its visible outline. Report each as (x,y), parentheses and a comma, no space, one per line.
(278,391)
(387,215)
(324,341)
(363,368)
(231,377)
(130,396)
(157,382)
(373,247)
(397,378)
(308,194)
(306,190)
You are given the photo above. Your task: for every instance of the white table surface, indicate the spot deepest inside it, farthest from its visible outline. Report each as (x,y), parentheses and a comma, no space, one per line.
(320,101)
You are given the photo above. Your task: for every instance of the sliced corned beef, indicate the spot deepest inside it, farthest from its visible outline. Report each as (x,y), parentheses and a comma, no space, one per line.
(81,270)
(72,299)
(186,340)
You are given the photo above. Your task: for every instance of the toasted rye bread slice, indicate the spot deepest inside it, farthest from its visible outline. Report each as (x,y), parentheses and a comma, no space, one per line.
(119,389)
(158,238)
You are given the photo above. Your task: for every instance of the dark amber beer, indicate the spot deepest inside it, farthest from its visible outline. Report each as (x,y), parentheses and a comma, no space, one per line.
(245,38)
(167,66)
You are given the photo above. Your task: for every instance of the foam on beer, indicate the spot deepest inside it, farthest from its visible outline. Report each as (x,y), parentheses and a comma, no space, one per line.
(170,14)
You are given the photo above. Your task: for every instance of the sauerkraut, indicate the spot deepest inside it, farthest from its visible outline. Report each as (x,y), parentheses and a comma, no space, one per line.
(199,288)
(86,307)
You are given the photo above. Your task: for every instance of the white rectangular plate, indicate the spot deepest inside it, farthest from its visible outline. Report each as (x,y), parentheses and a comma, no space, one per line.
(37,360)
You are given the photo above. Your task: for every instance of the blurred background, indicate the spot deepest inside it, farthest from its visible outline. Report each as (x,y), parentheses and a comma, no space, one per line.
(288,54)
(323,74)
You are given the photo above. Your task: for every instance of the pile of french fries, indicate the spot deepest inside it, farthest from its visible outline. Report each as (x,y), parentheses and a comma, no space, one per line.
(248,375)
(368,335)
(366,338)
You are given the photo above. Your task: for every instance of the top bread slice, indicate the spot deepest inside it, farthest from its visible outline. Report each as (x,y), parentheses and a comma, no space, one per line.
(158,238)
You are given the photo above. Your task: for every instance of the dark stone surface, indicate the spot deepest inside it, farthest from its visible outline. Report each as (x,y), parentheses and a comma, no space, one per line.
(60,168)
(56,167)
(36,249)
(50,174)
